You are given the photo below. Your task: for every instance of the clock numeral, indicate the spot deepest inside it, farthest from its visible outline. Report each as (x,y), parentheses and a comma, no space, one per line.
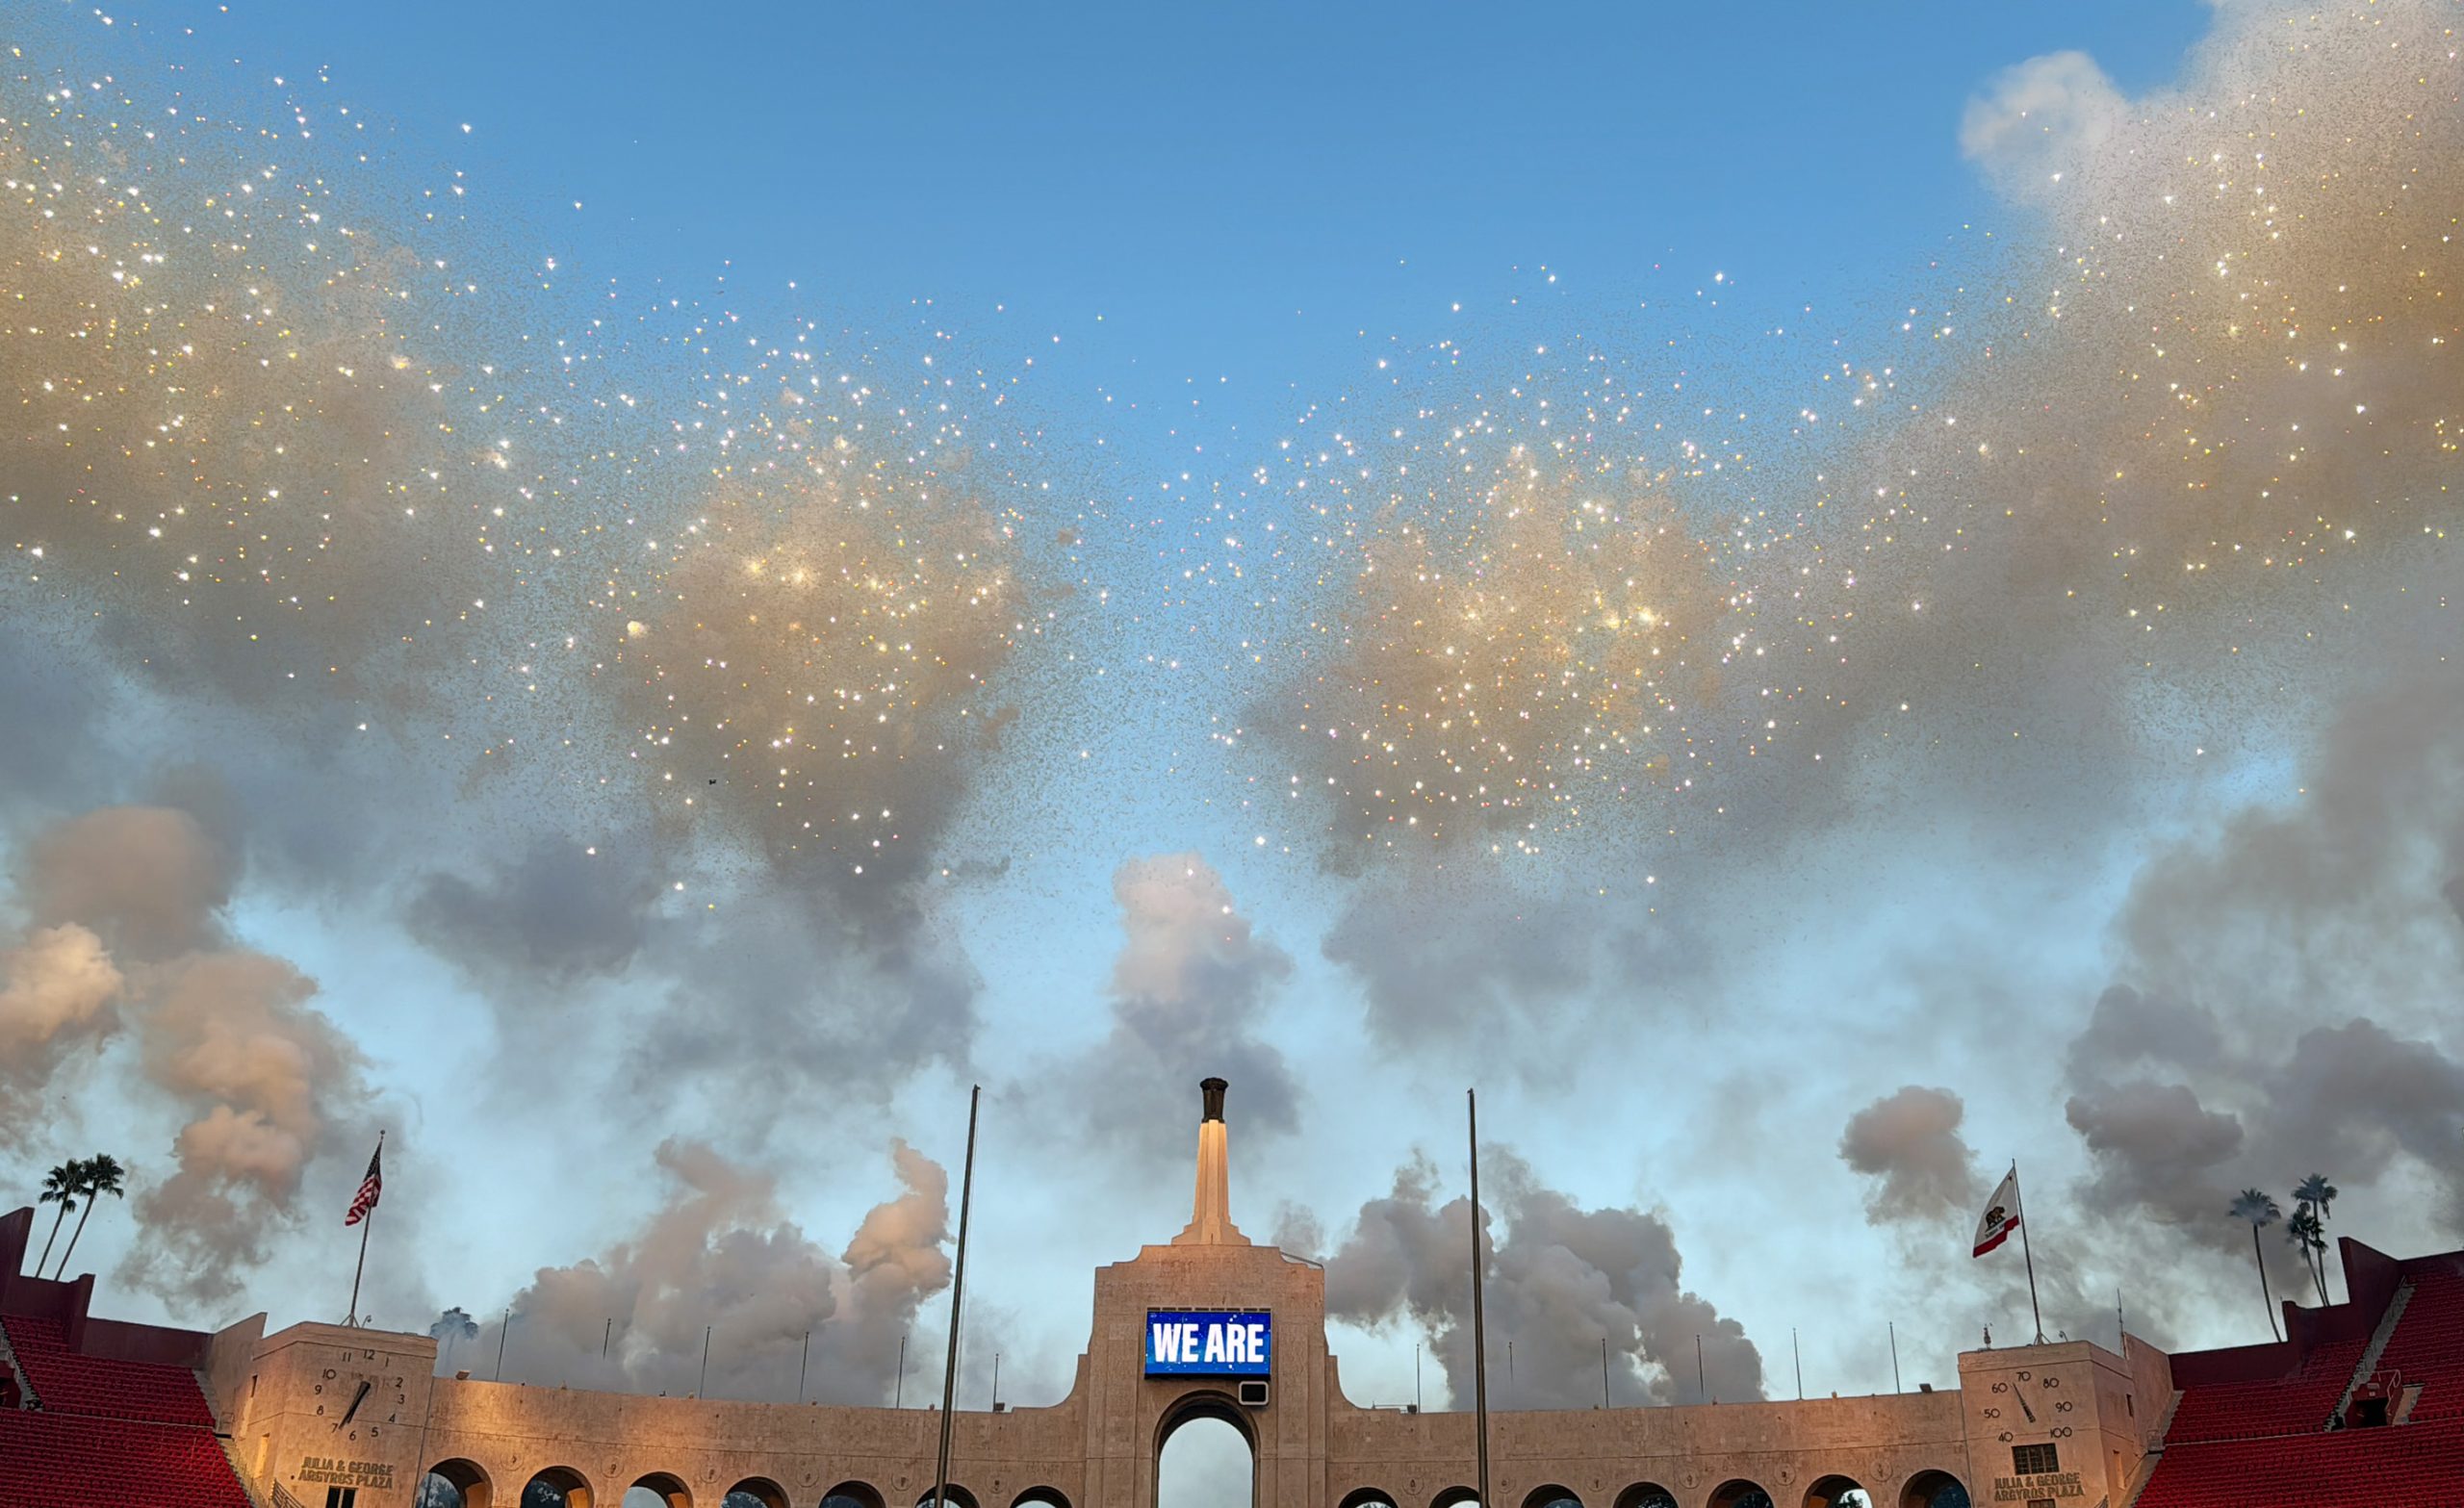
(1999,1387)
(2062,1407)
(2053,1382)
(1993,1414)
(2062,1431)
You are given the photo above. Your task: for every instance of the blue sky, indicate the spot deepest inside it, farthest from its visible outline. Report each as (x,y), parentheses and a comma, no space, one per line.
(1235,191)
(1192,235)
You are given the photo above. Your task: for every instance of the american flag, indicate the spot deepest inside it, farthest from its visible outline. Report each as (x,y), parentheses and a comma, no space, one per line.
(370,1187)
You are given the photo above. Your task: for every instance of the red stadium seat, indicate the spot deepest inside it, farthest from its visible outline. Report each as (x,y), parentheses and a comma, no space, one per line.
(125,1433)
(2232,1445)
(68,1383)
(47,1460)
(2428,1346)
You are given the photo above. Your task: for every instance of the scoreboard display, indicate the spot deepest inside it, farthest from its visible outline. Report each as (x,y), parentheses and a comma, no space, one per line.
(1210,1343)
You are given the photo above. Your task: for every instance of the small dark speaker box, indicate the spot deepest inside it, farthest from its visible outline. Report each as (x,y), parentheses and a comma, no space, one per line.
(1253,1395)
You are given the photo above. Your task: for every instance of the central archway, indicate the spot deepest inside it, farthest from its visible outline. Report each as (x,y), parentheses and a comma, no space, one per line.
(1206,1455)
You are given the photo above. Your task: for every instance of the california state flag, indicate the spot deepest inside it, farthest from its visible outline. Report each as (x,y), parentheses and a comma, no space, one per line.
(2001,1215)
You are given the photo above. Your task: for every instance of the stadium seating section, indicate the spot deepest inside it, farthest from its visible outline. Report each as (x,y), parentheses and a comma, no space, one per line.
(2427,1348)
(2417,1466)
(2282,1406)
(2241,1442)
(123,1433)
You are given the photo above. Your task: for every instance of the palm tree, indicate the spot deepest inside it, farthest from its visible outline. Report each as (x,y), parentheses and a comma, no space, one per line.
(453,1326)
(2255,1207)
(2321,1195)
(2302,1231)
(96,1176)
(60,1188)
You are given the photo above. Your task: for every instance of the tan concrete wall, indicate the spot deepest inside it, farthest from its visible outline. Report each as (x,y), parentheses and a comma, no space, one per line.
(2093,1407)
(1098,1448)
(291,1412)
(1876,1443)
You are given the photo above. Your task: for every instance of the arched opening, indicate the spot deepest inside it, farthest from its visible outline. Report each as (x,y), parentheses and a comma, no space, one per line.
(1837,1492)
(1934,1490)
(1738,1492)
(959,1497)
(1456,1497)
(558,1487)
(1204,1457)
(1552,1496)
(659,1490)
(1041,1497)
(852,1494)
(1366,1498)
(454,1483)
(759,1491)
(1646,1494)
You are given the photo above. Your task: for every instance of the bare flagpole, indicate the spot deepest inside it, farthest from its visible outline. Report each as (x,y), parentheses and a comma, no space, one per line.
(957,1292)
(1479,1318)
(2018,1202)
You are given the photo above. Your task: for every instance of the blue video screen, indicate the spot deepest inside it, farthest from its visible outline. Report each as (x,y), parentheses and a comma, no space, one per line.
(1210,1343)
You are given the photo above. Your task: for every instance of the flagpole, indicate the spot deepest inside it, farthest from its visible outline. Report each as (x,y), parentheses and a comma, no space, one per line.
(1479,1283)
(367,1223)
(2019,1202)
(958,1291)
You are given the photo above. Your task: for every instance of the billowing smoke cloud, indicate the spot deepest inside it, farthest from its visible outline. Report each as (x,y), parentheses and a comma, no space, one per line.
(1562,1279)
(1909,1140)
(229,1035)
(2289,985)
(1439,953)
(2041,119)
(128,901)
(555,912)
(2210,402)
(754,634)
(148,880)
(1191,988)
(719,1257)
(56,993)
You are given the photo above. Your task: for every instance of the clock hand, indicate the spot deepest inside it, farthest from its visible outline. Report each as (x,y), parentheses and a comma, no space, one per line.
(356,1399)
(2023,1407)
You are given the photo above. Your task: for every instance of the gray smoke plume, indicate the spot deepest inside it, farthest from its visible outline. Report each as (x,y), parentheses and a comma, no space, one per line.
(149,880)
(1910,1140)
(719,1255)
(1191,987)
(1437,952)
(129,901)
(1561,1280)
(2207,403)
(387,586)
(556,911)
(2291,980)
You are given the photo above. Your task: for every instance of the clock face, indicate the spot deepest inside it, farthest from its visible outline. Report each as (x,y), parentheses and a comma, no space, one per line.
(2028,1402)
(359,1394)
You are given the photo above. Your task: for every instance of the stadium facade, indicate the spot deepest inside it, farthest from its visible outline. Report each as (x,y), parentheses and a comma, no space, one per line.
(1207,1325)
